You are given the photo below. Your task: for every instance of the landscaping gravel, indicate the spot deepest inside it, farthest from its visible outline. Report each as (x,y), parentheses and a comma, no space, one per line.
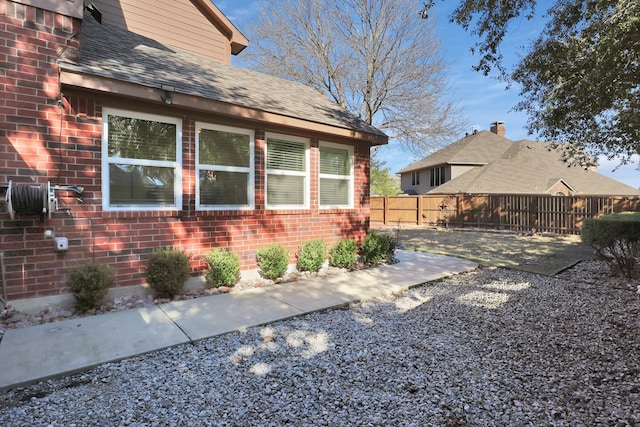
(492,347)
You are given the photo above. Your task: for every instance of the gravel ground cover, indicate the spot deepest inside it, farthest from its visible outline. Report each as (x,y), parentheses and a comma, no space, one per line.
(492,347)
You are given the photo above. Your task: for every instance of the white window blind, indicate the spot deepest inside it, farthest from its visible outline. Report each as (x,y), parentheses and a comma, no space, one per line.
(287,172)
(225,167)
(141,161)
(336,175)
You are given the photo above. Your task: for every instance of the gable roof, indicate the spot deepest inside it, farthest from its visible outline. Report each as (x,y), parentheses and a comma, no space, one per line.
(111,55)
(477,149)
(238,41)
(529,167)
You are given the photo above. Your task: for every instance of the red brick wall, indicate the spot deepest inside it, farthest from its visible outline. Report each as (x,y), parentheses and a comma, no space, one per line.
(35,148)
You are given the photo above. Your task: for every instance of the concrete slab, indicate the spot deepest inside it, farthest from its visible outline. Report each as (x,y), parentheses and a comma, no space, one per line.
(218,314)
(54,349)
(40,352)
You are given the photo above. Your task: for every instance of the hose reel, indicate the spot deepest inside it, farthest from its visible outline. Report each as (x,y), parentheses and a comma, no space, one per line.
(35,199)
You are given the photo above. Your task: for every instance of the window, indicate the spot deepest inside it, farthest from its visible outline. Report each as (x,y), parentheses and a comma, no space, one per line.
(287,172)
(141,160)
(224,158)
(438,176)
(415,178)
(336,176)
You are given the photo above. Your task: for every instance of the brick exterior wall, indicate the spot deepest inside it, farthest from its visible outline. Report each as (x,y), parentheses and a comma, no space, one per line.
(47,135)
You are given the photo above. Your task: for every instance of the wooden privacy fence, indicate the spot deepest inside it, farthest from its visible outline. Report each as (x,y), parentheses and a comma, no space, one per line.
(515,212)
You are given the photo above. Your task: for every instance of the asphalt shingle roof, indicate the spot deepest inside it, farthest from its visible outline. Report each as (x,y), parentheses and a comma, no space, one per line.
(521,167)
(114,53)
(476,149)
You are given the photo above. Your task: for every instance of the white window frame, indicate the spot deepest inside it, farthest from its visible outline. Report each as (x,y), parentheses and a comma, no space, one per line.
(306,174)
(223,168)
(349,177)
(106,161)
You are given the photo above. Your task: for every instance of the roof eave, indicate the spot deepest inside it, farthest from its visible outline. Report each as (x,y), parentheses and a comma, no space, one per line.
(238,41)
(130,90)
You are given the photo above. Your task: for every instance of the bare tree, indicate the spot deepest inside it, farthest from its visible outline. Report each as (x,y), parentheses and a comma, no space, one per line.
(378,58)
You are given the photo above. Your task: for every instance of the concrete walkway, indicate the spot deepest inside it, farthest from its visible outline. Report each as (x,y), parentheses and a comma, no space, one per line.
(36,353)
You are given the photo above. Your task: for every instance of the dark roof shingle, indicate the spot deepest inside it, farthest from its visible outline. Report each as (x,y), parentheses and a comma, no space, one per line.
(528,167)
(115,53)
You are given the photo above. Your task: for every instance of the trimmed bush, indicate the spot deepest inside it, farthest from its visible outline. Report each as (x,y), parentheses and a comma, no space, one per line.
(273,261)
(167,271)
(224,268)
(616,239)
(89,283)
(312,255)
(343,254)
(377,247)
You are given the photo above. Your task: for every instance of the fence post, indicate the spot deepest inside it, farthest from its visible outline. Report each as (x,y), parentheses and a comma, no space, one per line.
(533,215)
(419,219)
(386,210)
(496,209)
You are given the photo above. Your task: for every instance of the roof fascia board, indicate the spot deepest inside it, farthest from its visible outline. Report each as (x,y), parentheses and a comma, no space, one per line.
(146,93)
(238,41)
(467,163)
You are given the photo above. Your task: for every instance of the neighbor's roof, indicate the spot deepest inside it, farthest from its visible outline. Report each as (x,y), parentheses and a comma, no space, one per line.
(476,149)
(529,167)
(113,53)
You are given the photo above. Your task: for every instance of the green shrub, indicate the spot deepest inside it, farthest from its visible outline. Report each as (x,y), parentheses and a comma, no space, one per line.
(312,255)
(224,268)
(616,239)
(89,283)
(273,261)
(377,247)
(343,254)
(167,271)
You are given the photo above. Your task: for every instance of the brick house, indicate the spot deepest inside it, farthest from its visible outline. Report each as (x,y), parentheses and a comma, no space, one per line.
(143,116)
(486,162)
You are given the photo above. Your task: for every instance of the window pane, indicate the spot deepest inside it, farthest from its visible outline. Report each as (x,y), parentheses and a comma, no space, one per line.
(224,148)
(141,139)
(285,190)
(140,185)
(334,192)
(223,188)
(286,155)
(335,161)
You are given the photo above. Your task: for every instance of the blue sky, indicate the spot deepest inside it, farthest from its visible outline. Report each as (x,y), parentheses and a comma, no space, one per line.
(483,100)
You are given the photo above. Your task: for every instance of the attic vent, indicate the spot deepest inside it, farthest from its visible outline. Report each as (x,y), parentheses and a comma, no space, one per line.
(95,12)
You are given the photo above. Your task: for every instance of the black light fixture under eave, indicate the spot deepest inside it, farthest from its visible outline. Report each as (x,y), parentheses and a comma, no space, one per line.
(95,12)
(166,93)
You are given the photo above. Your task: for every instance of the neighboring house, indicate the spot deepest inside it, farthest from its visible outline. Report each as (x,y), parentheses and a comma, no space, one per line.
(171,144)
(486,162)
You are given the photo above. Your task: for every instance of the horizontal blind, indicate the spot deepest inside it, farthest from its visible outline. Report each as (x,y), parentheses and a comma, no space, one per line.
(335,161)
(224,148)
(141,185)
(224,188)
(132,138)
(285,189)
(334,192)
(286,155)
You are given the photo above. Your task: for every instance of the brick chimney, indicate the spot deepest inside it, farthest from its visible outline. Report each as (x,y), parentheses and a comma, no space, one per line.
(498,128)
